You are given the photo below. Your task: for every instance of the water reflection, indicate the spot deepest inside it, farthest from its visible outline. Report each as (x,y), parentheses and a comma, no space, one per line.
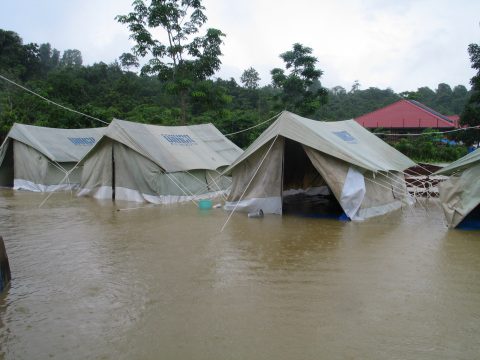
(163,282)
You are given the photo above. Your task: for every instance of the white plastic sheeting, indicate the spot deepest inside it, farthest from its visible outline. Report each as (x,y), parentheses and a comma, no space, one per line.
(20,184)
(353,193)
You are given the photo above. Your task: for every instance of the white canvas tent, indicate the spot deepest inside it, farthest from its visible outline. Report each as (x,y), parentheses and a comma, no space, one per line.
(38,158)
(157,164)
(295,154)
(460,193)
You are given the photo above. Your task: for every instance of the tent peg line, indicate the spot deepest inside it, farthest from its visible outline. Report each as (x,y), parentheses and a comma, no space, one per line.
(246,188)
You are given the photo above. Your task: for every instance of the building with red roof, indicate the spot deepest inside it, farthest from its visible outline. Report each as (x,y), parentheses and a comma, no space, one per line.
(407,115)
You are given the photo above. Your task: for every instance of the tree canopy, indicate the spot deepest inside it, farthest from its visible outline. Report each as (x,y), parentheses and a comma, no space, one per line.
(112,90)
(301,91)
(471,112)
(250,78)
(182,59)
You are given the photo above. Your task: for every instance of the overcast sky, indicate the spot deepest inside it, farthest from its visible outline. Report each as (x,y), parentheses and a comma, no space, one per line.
(402,44)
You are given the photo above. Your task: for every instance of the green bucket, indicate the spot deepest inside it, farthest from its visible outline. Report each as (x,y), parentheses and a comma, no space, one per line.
(205,204)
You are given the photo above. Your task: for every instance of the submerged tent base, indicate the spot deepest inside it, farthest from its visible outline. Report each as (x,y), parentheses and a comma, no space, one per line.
(20,184)
(269,205)
(274,205)
(471,221)
(124,194)
(469,224)
(322,206)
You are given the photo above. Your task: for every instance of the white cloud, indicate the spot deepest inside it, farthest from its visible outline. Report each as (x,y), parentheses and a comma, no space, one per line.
(397,44)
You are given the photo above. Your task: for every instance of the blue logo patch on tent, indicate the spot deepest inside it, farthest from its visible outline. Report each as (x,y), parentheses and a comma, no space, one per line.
(345,136)
(184,140)
(82,140)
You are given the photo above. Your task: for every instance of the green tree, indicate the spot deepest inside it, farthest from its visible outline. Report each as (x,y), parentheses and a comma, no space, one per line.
(128,60)
(298,93)
(49,58)
(443,98)
(250,78)
(460,97)
(471,113)
(426,96)
(355,87)
(347,105)
(71,58)
(19,61)
(338,90)
(182,60)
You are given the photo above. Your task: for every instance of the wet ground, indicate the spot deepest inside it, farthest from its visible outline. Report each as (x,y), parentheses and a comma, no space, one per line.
(162,282)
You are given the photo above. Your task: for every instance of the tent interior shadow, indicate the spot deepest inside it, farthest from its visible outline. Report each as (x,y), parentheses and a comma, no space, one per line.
(6,167)
(471,221)
(305,193)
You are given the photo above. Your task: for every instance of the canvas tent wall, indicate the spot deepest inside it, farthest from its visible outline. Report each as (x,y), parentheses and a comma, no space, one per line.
(38,158)
(364,174)
(157,164)
(460,193)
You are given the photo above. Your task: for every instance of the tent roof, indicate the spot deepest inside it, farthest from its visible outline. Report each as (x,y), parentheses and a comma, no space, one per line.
(461,164)
(61,145)
(345,140)
(406,114)
(176,148)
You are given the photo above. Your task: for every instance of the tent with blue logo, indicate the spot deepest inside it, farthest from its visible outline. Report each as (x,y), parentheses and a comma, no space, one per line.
(460,193)
(303,161)
(43,159)
(157,164)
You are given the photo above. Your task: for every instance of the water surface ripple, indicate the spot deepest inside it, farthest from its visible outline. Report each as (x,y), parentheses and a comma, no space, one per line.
(91,282)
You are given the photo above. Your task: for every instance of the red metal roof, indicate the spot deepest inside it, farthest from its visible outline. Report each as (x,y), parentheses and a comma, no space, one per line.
(406,114)
(455,119)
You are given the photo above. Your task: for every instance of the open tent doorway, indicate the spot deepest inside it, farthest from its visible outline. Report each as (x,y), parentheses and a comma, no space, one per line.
(304,190)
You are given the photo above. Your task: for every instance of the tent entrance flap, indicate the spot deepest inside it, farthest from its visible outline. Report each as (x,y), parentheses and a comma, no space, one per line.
(305,191)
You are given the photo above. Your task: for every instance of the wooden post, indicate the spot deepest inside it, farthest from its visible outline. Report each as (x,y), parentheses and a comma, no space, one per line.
(5,274)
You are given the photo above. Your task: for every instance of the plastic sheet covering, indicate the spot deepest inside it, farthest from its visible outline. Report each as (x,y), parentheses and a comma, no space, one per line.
(460,194)
(353,193)
(376,195)
(20,184)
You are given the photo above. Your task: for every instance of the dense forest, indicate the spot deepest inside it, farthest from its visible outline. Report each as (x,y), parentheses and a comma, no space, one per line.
(186,92)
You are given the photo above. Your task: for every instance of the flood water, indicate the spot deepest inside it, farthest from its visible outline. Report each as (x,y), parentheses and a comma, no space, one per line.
(162,282)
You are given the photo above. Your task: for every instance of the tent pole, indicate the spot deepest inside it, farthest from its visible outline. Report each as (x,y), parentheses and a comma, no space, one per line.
(113,173)
(283,172)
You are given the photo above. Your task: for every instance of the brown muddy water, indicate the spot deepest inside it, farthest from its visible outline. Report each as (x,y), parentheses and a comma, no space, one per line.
(162,282)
